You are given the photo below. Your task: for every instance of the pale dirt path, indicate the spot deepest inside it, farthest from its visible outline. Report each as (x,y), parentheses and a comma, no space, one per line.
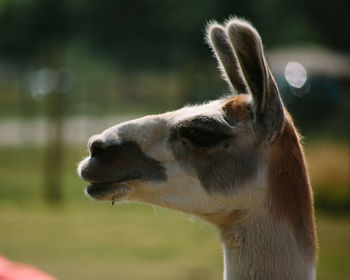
(77,129)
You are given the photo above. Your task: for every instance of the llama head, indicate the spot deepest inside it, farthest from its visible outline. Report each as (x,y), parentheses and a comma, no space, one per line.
(207,160)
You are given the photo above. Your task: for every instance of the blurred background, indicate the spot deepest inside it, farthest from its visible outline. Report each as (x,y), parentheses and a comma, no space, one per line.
(71,68)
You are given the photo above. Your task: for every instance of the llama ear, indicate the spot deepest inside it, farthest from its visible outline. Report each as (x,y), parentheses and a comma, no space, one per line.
(268,107)
(228,64)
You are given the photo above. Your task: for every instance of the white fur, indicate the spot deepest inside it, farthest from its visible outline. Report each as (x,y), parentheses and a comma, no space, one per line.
(256,246)
(267,250)
(183,191)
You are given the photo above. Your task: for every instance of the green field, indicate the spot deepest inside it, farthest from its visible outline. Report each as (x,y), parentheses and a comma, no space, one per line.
(82,239)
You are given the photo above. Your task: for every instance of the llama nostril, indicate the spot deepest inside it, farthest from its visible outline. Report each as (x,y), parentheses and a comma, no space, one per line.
(97,147)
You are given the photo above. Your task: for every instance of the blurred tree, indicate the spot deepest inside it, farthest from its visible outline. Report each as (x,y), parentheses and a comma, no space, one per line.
(158,32)
(332,19)
(36,31)
(154,36)
(30,28)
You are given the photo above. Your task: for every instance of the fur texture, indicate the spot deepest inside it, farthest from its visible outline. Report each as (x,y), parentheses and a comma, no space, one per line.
(235,162)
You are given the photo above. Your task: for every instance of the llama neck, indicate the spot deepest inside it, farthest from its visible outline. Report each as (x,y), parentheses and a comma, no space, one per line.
(265,249)
(278,240)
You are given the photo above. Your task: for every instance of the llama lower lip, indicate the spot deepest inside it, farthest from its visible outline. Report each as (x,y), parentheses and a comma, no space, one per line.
(107,190)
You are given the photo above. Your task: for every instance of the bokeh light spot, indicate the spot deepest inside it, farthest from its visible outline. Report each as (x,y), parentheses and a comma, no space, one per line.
(295,74)
(44,82)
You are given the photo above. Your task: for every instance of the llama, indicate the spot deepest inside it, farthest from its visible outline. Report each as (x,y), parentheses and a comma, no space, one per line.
(235,162)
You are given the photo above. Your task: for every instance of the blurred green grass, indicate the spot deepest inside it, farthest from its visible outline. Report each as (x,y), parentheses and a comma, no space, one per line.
(83,239)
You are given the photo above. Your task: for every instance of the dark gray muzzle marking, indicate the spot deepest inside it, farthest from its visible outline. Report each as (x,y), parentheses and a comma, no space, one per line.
(221,166)
(122,162)
(224,172)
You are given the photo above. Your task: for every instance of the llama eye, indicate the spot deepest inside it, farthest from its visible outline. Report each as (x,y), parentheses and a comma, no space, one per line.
(201,138)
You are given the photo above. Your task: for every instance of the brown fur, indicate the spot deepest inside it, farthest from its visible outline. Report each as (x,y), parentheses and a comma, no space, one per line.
(289,190)
(243,171)
(236,107)
(228,224)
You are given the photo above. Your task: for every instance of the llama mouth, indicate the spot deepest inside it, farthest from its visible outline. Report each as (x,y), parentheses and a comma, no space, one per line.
(107,190)
(111,190)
